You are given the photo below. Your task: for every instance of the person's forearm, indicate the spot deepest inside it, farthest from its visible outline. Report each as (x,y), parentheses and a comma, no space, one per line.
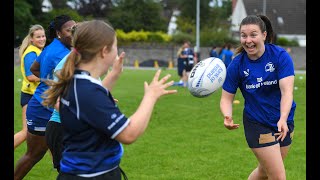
(110,80)
(285,105)
(141,118)
(33,78)
(36,73)
(35,69)
(226,108)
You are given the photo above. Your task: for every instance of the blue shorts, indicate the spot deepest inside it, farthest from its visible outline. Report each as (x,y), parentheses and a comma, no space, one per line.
(24,98)
(37,117)
(180,67)
(259,135)
(111,175)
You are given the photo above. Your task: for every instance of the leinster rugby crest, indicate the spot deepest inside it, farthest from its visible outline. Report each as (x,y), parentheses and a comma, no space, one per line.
(269,67)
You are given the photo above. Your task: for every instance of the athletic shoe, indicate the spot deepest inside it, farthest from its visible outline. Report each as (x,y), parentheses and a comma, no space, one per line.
(177,84)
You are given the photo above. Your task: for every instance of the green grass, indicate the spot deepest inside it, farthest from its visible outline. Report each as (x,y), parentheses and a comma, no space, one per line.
(185,139)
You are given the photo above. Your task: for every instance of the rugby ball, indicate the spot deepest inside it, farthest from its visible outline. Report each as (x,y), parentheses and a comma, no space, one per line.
(206,77)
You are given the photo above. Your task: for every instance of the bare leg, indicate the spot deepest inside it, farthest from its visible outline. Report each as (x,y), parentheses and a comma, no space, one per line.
(20,136)
(271,165)
(258,173)
(36,149)
(185,78)
(284,151)
(181,79)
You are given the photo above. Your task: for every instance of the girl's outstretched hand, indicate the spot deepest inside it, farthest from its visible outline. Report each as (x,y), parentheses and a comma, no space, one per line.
(157,87)
(117,66)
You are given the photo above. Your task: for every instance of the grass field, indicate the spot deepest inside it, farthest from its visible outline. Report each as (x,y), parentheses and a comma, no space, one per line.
(186,139)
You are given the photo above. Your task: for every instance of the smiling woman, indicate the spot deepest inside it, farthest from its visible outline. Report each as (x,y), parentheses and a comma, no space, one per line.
(30,48)
(264,73)
(38,115)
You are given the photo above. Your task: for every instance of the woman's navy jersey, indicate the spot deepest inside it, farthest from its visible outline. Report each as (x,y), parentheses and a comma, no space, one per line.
(189,61)
(258,81)
(91,120)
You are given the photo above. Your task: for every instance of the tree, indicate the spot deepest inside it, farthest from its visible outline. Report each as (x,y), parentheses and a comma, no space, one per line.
(214,24)
(23,18)
(168,6)
(36,8)
(138,15)
(94,8)
(59,4)
(188,11)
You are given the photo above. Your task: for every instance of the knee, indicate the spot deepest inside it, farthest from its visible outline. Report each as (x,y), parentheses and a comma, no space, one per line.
(258,173)
(262,173)
(24,133)
(24,129)
(35,156)
(278,176)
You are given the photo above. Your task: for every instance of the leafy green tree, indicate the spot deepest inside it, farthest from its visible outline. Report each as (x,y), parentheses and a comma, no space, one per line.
(180,37)
(23,18)
(226,9)
(138,15)
(168,6)
(59,4)
(94,8)
(189,10)
(214,23)
(36,9)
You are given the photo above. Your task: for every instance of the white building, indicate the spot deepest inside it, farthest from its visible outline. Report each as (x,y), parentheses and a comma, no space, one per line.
(288,17)
(172,27)
(46,6)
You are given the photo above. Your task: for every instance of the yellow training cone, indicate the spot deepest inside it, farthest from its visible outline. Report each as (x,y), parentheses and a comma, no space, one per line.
(136,63)
(170,65)
(236,102)
(156,65)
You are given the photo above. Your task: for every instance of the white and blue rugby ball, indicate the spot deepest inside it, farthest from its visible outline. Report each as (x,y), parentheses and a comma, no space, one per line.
(206,77)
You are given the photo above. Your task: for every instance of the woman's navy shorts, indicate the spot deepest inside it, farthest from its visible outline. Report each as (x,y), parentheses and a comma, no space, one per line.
(259,135)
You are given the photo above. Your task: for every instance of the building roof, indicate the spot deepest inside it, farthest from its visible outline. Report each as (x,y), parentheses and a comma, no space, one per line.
(287,16)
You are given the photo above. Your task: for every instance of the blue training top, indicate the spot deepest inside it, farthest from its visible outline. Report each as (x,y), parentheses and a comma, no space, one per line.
(55,114)
(213,53)
(48,60)
(258,81)
(91,120)
(227,57)
(28,60)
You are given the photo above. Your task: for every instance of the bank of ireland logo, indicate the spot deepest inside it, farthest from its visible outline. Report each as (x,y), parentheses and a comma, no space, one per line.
(269,67)
(259,79)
